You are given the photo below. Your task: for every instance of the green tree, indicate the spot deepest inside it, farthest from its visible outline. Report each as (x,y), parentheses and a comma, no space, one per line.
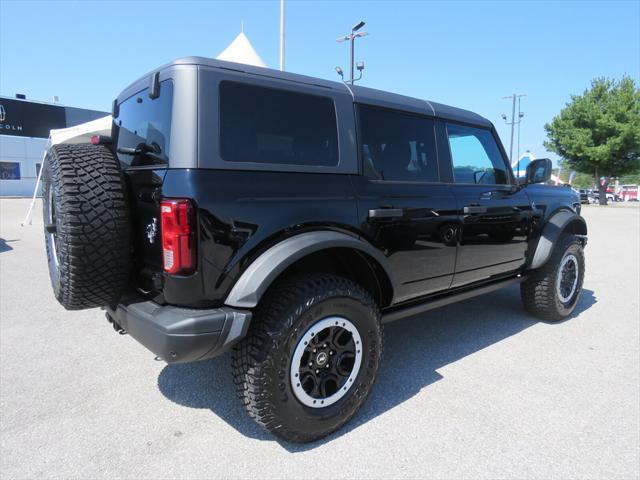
(631,179)
(598,132)
(583,180)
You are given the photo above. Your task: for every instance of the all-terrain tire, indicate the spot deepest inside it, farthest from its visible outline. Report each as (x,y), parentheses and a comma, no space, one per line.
(540,291)
(86,219)
(262,360)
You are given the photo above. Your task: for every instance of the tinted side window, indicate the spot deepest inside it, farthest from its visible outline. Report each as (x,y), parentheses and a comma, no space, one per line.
(398,146)
(145,122)
(476,156)
(264,125)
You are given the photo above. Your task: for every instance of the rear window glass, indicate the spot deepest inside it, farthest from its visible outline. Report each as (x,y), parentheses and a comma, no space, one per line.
(264,125)
(144,127)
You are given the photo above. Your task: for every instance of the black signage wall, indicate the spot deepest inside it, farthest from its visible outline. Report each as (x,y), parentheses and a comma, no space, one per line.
(28,119)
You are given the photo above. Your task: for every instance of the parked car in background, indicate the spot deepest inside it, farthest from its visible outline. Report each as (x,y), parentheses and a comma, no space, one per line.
(611,197)
(629,193)
(585,196)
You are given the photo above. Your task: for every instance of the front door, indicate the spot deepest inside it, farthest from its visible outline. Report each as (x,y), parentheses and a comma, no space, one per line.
(404,210)
(494,212)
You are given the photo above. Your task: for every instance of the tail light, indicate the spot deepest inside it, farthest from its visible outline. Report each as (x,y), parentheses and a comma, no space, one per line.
(100,139)
(178,243)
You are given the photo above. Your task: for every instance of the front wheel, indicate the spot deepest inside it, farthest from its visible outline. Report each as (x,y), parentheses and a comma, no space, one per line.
(310,357)
(552,292)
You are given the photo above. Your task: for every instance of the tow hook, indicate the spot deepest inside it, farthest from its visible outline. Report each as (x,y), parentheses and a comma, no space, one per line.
(116,326)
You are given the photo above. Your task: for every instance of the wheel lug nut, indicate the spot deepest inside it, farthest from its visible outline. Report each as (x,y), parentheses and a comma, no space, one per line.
(324,346)
(314,350)
(311,364)
(326,366)
(317,371)
(331,352)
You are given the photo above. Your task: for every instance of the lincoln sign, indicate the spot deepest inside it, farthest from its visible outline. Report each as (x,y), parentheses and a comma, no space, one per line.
(28,119)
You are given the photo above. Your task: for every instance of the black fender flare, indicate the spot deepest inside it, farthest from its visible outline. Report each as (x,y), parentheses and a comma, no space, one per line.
(555,226)
(259,275)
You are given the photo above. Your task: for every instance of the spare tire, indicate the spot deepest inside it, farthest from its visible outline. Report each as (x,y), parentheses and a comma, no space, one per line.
(86,225)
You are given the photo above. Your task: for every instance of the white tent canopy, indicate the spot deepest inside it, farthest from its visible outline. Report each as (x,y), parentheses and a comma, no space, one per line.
(81,133)
(241,51)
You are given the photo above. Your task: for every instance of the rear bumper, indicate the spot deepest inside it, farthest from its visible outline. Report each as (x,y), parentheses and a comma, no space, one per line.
(180,335)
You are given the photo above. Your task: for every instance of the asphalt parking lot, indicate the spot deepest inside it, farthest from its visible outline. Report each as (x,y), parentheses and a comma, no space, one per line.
(473,390)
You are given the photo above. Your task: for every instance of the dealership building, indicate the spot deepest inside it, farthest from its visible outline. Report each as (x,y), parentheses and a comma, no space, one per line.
(24,132)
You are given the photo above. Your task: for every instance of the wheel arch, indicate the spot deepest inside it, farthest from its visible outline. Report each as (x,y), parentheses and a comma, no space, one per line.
(327,251)
(559,223)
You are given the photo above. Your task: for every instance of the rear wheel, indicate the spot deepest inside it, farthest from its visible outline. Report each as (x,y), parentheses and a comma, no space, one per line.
(86,223)
(552,291)
(311,356)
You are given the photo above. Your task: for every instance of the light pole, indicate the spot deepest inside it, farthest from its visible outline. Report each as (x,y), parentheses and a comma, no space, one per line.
(514,122)
(520,115)
(352,39)
(281,35)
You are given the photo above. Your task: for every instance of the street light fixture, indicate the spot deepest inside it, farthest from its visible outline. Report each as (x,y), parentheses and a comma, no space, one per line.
(352,38)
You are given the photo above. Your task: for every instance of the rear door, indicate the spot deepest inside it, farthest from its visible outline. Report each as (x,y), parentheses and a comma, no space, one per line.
(494,212)
(403,207)
(142,137)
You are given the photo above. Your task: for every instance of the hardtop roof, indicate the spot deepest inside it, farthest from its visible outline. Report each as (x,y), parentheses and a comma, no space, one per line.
(360,94)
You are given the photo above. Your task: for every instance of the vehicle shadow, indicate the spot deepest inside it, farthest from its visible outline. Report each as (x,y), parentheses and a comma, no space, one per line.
(4,245)
(415,348)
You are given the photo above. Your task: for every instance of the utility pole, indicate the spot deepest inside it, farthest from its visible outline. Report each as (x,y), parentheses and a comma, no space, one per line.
(520,115)
(352,39)
(514,122)
(281,35)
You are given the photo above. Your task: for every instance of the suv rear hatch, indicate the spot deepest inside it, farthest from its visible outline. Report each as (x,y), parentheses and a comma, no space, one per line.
(141,136)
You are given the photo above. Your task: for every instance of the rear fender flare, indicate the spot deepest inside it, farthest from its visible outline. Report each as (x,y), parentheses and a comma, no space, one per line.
(555,226)
(261,273)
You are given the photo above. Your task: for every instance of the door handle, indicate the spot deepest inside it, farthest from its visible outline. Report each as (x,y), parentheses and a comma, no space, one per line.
(474,209)
(385,212)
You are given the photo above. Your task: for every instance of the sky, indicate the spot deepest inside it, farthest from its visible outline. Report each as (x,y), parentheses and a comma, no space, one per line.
(468,54)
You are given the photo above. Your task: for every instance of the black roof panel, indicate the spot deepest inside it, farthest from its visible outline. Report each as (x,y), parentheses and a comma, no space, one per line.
(360,94)
(392,100)
(459,114)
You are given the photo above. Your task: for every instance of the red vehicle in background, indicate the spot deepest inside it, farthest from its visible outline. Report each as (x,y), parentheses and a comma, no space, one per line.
(629,193)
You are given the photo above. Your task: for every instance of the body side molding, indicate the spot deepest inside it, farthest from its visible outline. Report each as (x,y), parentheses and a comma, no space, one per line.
(255,280)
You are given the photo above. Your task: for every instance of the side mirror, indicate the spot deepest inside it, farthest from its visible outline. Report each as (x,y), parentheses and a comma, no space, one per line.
(538,171)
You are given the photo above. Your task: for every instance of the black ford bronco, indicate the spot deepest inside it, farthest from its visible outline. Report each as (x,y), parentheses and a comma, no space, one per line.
(286,218)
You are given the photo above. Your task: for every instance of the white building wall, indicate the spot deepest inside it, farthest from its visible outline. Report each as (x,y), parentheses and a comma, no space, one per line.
(27,152)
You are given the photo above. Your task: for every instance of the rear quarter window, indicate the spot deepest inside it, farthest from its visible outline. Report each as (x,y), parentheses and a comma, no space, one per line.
(397,146)
(145,123)
(270,126)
